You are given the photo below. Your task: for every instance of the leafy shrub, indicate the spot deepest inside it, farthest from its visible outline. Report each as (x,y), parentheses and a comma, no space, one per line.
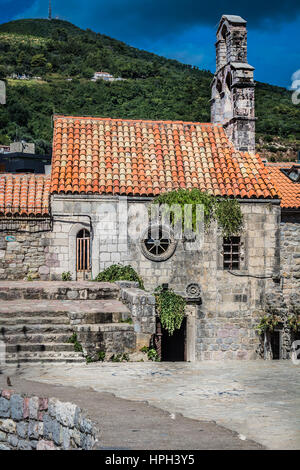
(119,357)
(101,356)
(118,272)
(151,353)
(66,276)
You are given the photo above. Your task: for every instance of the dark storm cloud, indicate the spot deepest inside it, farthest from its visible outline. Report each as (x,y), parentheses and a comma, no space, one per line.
(150,18)
(9,9)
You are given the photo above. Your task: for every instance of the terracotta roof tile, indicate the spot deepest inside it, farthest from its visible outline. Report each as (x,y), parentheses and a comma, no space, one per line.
(288,191)
(24,194)
(134,157)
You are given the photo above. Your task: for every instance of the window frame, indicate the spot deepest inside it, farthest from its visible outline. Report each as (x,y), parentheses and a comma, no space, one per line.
(168,233)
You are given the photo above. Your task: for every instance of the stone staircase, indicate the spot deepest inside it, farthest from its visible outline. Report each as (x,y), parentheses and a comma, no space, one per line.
(38,318)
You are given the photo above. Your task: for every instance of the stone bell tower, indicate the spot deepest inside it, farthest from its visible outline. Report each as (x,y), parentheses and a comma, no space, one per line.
(232,100)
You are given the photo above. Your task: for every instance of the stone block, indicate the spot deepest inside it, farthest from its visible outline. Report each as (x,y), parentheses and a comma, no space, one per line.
(66,438)
(4,447)
(44,270)
(22,429)
(12,440)
(86,425)
(47,421)
(104,257)
(4,408)
(26,408)
(16,406)
(33,430)
(57,432)
(65,413)
(7,425)
(33,407)
(46,445)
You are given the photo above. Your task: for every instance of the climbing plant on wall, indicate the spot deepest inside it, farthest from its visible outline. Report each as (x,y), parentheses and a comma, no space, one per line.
(227,212)
(170,308)
(293,322)
(266,323)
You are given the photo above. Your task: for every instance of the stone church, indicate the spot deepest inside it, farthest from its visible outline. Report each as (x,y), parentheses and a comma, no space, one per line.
(106,171)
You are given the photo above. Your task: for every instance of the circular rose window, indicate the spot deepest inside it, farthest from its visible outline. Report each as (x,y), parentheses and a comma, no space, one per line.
(158,243)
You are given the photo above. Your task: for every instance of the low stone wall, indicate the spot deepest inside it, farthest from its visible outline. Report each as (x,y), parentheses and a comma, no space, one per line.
(34,423)
(142,308)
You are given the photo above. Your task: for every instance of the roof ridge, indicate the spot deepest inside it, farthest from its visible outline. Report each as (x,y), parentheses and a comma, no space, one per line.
(98,118)
(35,175)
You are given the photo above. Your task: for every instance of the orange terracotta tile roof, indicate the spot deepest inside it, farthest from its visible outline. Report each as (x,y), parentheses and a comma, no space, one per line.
(24,194)
(145,158)
(288,191)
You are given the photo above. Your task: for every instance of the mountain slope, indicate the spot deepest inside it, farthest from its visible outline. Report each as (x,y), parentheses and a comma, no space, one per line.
(65,58)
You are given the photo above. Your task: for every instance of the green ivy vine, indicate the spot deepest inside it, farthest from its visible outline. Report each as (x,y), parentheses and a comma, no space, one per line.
(227,212)
(170,309)
(294,323)
(267,323)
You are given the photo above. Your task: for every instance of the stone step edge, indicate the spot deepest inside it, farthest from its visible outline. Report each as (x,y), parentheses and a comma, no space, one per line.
(61,337)
(59,307)
(37,328)
(45,360)
(33,347)
(9,355)
(18,284)
(103,326)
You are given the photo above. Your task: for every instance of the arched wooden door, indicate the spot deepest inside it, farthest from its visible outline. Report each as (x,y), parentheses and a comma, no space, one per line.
(83,254)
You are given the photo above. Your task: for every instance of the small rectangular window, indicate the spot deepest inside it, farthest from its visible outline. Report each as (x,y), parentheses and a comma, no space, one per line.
(231,252)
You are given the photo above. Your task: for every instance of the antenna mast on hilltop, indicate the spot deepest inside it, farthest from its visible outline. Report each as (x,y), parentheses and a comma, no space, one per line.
(50,11)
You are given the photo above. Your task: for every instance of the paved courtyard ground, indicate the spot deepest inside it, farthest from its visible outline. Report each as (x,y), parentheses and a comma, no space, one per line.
(259,400)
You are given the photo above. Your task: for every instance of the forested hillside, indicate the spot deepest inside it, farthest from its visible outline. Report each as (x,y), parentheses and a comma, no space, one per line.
(59,59)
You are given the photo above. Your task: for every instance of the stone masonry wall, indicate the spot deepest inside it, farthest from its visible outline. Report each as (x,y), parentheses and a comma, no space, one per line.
(27,256)
(34,423)
(290,257)
(142,308)
(230,304)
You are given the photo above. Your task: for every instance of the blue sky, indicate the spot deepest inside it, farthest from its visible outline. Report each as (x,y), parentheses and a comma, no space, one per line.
(184,30)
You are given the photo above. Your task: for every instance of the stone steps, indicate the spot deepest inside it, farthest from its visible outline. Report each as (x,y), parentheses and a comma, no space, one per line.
(22,328)
(96,311)
(44,357)
(36,347)
(38,318)
(58,290)
(26,321)
(123,326)
(36,338)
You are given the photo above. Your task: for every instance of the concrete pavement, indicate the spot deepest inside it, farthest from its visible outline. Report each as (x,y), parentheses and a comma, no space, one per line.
(259,400)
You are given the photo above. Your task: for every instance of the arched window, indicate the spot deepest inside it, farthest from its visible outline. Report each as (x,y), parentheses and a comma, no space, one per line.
(83,257)
(219,86)
(224,32)
(227,99)
(228,81)
(222,47)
